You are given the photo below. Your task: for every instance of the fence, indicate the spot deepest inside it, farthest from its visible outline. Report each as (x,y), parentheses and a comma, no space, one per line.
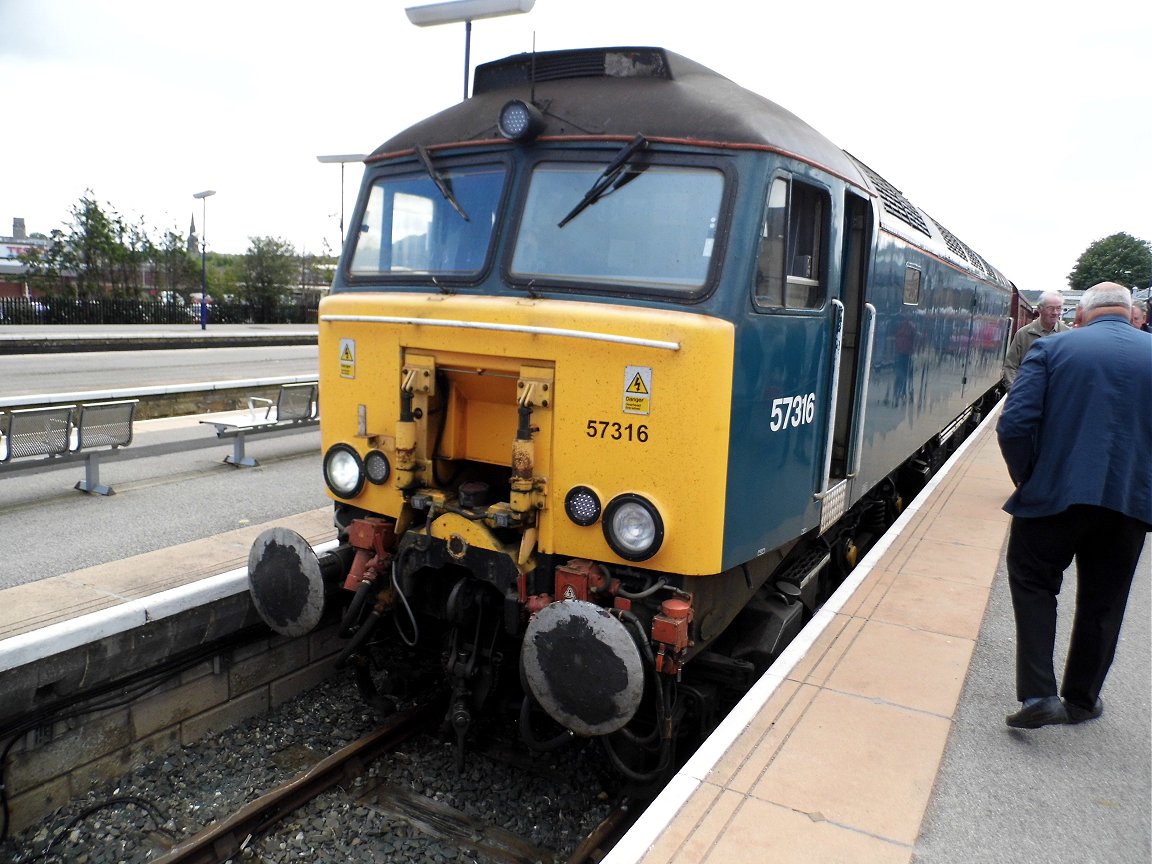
(55,310)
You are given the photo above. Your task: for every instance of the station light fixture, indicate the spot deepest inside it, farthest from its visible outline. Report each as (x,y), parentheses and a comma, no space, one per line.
(467,11)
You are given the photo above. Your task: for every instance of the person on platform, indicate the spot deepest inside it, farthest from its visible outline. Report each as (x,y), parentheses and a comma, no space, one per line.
(1051,306)
(1140,315)
(1074,433)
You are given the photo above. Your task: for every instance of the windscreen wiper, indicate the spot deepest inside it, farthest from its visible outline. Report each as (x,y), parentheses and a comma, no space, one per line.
(606,178)
(441,181)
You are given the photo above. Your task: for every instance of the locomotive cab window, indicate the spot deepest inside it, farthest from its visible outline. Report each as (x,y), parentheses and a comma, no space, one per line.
(790,269)
(413,225)
(911,286)
(652,229)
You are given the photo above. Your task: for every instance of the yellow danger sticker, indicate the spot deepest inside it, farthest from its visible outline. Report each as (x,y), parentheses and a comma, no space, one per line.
(347,358)
(638,390)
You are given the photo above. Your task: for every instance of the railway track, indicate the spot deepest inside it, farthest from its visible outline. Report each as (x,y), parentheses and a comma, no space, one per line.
(440,824)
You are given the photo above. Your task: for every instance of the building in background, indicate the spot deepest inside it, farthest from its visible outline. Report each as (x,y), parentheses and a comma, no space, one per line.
(12,270)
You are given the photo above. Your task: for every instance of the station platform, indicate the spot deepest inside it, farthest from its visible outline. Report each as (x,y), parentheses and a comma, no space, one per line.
(880,738)
(62,338)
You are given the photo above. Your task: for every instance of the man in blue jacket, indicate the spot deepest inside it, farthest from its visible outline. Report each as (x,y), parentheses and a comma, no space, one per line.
(1074,433)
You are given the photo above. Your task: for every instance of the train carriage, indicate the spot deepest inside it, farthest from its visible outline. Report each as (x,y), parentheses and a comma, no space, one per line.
(623,368)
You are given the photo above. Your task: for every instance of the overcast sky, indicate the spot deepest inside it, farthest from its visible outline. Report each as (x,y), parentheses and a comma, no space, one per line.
(1023,127)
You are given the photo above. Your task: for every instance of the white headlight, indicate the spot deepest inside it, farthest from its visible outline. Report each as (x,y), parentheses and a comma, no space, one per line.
(343,471)
(633,527)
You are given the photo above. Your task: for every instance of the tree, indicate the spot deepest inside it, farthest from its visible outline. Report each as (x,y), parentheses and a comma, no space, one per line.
(1118,258)
(270,268)
(176,270)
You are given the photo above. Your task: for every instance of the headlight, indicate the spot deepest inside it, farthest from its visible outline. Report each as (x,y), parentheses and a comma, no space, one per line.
(343,471)
(520,121)
(633,527)
(377,468)
(582,505)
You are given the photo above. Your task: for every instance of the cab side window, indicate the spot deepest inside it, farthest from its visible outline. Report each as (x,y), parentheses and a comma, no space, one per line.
(790,269)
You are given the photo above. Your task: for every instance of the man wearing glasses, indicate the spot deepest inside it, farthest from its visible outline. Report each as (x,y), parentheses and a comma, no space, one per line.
(1051,307)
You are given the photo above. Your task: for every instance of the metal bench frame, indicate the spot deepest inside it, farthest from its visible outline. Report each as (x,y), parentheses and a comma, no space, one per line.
(295,405)
(67,433)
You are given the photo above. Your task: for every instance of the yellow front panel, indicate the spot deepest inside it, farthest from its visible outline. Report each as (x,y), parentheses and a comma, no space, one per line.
(650,420)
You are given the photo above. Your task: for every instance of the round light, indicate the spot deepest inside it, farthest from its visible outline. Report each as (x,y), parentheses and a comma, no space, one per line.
(520,121)
(582,505)
(343,471)
(376,467)
(633,527)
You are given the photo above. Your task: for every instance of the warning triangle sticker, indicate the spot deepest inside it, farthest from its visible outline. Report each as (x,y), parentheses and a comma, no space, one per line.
(346,354)
(637,385)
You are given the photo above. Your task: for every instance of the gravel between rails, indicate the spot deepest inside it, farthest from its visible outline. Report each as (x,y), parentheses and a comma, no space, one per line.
(142,814)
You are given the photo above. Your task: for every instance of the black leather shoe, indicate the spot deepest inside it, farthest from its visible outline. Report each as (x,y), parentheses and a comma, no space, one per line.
(1077,714)
(1047,712)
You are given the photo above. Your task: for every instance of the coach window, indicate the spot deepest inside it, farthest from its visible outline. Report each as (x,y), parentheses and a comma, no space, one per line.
(790,268)
(911,286)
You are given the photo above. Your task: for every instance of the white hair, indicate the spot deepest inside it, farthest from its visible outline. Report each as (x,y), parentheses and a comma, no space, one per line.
(1051,297)
(1106,294)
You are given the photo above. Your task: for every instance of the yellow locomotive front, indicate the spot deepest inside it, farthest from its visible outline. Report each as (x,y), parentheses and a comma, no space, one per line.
(500,422)
(491,456)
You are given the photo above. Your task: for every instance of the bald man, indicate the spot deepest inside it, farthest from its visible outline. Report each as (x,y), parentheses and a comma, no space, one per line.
(1051,307)
(1074,434)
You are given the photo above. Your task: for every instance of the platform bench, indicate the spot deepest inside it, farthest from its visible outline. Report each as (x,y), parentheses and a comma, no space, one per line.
(294,406)
(33,438)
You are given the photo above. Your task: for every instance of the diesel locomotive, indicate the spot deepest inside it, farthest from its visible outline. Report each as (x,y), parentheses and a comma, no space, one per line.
(623,369)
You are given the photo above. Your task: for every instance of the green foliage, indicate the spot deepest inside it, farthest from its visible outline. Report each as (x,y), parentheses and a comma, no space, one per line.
(1119,258)
(270,269)
(97,253)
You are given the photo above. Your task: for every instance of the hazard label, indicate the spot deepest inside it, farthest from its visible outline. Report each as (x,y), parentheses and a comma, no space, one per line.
(638,390)
(347,358)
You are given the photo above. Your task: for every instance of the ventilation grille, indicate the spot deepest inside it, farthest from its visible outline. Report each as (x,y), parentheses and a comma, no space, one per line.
(560,65)
(962,250)
(895,202)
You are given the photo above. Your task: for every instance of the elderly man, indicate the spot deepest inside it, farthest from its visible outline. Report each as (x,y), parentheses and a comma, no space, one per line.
(1139,315)
(1051,307)
(1074,433)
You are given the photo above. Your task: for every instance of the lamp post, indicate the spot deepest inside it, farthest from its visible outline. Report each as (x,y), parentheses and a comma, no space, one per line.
(343,159)
(204,196)
(455,11)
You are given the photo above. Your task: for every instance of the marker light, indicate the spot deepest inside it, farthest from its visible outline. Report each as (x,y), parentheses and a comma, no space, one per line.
(633,527)
(582,505)
(343,471)
(520,121)
(376,467)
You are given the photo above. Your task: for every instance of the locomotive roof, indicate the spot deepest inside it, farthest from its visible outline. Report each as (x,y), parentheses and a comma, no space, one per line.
(623,91)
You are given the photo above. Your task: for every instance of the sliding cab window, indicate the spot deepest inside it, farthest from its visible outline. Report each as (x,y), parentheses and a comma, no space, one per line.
(790,271)
(911,285)
(414,226)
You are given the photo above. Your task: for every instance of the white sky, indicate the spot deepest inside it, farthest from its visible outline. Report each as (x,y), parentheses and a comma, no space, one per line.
(1023,127)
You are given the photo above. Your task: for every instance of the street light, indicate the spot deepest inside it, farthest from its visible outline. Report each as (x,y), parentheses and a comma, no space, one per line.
(343,159)
(203,196)
(455,11)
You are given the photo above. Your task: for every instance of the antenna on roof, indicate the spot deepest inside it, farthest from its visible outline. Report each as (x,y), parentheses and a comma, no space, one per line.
(532,77)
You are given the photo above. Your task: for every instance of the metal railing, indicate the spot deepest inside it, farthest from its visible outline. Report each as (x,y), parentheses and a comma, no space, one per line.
(103,310)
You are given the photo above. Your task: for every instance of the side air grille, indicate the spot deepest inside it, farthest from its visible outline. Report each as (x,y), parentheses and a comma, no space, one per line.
(962,250)
(560,65)
(895,202)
